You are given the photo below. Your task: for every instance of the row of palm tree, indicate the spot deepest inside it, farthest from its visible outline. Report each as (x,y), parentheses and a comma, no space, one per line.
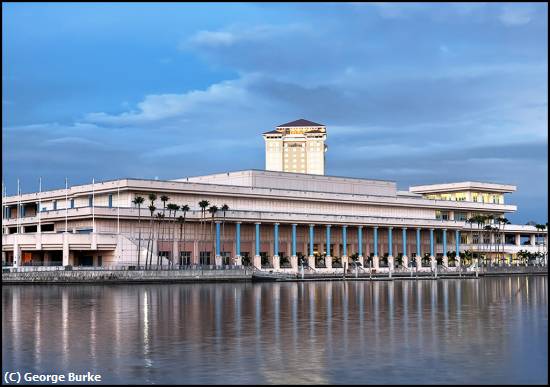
(167,230)
(485,228)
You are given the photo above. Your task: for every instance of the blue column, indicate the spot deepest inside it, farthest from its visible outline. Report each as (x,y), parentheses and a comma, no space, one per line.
(418,248)
(293,240)
(432,242)
(404,241)
(390,241)
(444,241)
(276,240)
(345,241)
(328,240)
(217,238)
(376,241)
(360,240)
(238,239)
(311,236)
(457,240)
(257,239)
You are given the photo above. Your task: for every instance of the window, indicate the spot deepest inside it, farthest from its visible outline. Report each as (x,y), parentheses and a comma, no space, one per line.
(204,258)
(185,258)
(46,227)
(226,258)
(72,203)
(90,200)
(441,215)
(110,200)
(55,205)
(461,216)
(164,255)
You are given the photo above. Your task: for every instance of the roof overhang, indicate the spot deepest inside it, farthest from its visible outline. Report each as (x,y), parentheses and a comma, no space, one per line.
(463,186)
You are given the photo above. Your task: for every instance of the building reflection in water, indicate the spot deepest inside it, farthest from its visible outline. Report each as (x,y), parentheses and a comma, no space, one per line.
(488,330)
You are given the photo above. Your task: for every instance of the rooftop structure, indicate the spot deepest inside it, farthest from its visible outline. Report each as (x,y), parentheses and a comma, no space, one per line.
(297,146)
(468,190)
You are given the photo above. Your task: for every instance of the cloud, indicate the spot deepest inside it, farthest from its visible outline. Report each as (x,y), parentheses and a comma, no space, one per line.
(237,34)
(213,38)
(515,14)
(156,107)
(416,93)
(72,141)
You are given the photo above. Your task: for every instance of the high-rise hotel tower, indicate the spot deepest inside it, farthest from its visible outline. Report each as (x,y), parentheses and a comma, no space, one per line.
(297,146)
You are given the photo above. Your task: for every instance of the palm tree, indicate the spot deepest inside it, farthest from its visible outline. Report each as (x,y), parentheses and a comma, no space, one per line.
(138,201)
(160,218)
(150,241)
(502,222)
(212,210)
(180,222)
(184,208)
(152,197)
(203,204)
(172,208)
(224,208)
(163,199)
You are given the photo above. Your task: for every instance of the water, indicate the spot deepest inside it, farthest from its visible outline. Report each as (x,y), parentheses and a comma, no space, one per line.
(491,330)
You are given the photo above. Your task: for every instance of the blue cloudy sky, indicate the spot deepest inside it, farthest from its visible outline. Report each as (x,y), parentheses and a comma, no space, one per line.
(416,93)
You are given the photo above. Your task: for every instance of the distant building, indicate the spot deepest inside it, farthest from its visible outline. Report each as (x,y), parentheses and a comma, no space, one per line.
(297,146)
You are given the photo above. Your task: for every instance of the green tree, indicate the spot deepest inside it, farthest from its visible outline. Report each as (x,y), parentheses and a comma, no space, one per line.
(203,204)
(138,201)
(224,208)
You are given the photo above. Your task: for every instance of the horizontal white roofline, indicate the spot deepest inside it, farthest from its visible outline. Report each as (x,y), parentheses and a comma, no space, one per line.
(460,186)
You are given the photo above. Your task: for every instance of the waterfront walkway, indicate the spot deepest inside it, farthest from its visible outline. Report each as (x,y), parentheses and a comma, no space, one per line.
(59,274)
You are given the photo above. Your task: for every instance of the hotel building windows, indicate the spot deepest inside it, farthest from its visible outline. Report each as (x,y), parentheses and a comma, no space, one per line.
(463,216)
(442,215)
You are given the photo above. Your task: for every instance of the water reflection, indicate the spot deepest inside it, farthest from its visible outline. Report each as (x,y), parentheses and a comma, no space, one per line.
(492,330)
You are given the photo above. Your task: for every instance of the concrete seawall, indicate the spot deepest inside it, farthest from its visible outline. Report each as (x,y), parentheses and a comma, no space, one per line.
(233,275)
(125,276)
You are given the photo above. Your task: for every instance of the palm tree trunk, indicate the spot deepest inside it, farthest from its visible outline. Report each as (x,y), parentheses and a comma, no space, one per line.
(212,249)
(139,237)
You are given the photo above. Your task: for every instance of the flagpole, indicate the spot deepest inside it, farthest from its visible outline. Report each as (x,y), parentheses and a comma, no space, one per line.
(118,209)
(39,203)
(18,207)
(66,202)
(93,205)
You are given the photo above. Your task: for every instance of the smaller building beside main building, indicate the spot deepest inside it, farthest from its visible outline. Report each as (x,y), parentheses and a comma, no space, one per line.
(275,219)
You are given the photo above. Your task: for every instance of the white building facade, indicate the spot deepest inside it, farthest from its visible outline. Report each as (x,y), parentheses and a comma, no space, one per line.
(275,221)
(297,146)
